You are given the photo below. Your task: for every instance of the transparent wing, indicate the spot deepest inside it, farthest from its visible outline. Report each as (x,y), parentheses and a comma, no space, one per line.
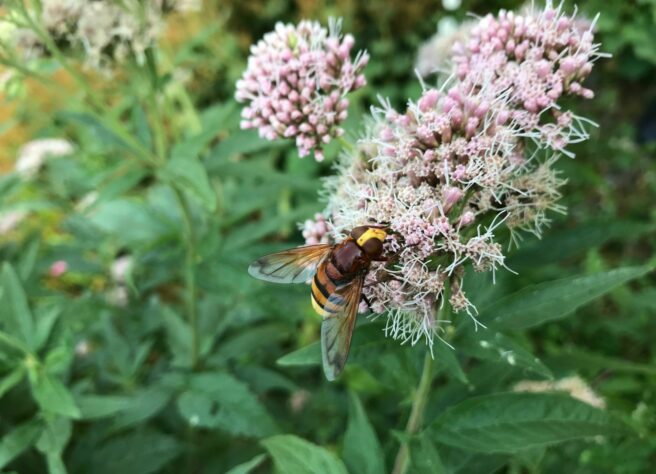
(290,266)
(337,327)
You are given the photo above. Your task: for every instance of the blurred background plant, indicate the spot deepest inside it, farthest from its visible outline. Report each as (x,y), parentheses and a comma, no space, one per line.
(133,340)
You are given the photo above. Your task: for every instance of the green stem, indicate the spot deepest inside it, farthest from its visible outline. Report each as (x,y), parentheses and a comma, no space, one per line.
(190,275)
(416,413)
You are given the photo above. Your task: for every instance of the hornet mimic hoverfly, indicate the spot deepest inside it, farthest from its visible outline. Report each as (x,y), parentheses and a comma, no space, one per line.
(337,273)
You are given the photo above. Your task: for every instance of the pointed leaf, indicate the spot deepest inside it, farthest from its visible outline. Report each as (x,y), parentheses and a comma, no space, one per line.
(509,422)
(308,355)
(138,452)
(497,347)
(15,314)
(53,396)
(18,440)
(186,172)
(362,452)
(218,400)
(556,299)
(424,458)
(248,466)
(293,455)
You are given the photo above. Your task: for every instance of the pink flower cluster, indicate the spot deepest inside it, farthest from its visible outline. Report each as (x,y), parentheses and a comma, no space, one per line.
(316,231)
(296,84)
(537,59)
(461,161)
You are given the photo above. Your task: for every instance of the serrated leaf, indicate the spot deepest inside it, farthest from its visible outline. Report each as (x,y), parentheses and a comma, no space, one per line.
(240,142)
(185,171)
(581,359)
(566,243)
(53,396)
(293,455)
(101,406)
(218,400)
(361,452)
(11,380)
(424,457)
(55,436)
(179,337)
(446,357)
(144,405)
(18,440)
(15,313)
(497,347)
(248,466)
(308,355)
(138,452)
(509,422)
(130,221)
(537,304)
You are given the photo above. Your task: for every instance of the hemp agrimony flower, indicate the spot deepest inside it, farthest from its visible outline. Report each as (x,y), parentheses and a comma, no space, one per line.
(107,31)
(296,84)
(462,160)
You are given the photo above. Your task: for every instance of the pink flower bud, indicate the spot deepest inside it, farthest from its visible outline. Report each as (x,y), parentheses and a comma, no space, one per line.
(58,268)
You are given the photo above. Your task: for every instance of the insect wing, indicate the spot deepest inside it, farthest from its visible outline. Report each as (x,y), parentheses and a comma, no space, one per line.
(337,327)
(290,266)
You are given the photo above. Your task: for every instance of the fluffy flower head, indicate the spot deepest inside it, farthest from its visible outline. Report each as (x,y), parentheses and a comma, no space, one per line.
(465,158)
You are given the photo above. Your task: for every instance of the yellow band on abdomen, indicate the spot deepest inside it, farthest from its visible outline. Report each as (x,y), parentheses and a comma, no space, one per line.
(320,311)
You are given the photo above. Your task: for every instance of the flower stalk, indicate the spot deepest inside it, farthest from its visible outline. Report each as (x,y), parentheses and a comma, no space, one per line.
(416,413)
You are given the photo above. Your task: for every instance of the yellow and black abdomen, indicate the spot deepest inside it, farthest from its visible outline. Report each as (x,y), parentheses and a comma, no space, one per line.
(322,288)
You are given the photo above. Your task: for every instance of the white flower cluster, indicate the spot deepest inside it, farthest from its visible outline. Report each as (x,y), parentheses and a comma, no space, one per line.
(108,31)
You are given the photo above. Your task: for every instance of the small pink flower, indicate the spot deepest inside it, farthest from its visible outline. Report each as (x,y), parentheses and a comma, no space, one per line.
(58,268)
(296,84)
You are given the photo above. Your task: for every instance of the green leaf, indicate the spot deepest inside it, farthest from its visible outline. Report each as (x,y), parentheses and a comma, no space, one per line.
(185,171)
(509,422)
(424,458)
(248,466)
(293,455)
(308,355)
(44,324)
(497,347)
(141,127)
(362,452)
(53,396)
(580,359)
(179,337)
(101,406)
(553,300)
(144,405)
(241,142)
(55,436)
(130,221)
(218,400)
(567,243)
(446,357)
(11,380)
(18,440)
(246,234)
(138,452)
(15,314)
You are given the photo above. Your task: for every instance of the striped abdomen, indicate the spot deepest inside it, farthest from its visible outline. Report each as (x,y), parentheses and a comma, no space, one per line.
(323,286)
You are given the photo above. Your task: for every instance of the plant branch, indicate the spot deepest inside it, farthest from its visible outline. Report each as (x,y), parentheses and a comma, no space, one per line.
(418,405)
(190,275)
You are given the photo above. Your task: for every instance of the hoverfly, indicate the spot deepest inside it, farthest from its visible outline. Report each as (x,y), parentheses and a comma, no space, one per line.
(338,273)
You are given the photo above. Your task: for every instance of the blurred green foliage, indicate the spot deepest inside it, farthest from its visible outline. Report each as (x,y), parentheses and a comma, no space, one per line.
(186,364)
